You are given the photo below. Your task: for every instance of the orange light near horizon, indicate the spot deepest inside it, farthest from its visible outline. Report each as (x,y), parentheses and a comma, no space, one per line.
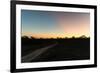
(53,35)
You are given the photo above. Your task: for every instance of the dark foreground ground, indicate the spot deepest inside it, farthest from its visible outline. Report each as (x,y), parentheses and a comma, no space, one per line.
(40,50)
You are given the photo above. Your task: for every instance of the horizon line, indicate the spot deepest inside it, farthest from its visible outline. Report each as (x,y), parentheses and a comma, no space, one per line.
(82,36)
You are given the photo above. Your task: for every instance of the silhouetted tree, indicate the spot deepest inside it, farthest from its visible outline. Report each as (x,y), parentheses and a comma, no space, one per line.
(83,36)
(73,37)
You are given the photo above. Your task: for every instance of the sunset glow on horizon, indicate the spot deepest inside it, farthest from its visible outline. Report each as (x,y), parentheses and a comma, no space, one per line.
(52,24)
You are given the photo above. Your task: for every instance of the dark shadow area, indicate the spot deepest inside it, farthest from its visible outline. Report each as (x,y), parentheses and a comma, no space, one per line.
(65,48)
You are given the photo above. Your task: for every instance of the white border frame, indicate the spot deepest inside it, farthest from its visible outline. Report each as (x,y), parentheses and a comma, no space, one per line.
(20,65)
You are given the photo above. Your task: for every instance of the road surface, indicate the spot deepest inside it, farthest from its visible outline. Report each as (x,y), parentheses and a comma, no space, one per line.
(37,53)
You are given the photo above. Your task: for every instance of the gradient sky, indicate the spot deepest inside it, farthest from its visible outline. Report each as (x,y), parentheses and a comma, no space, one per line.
(52,24)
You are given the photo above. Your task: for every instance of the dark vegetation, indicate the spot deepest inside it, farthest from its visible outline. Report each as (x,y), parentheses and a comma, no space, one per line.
(66,48)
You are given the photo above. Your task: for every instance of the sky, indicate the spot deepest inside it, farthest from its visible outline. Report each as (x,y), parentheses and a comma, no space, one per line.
(52,24)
